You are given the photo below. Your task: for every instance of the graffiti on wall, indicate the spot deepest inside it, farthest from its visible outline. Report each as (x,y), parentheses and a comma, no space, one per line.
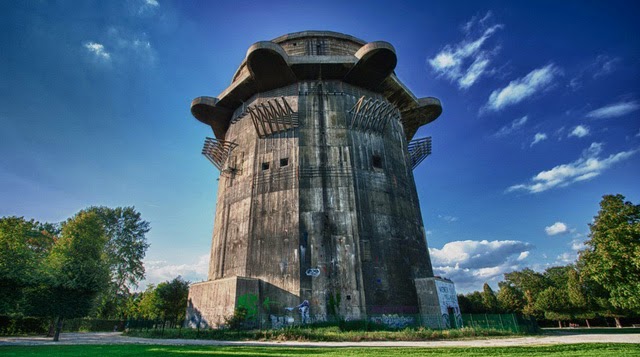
(303,308)
(393,320)
(314,272)
(250,303)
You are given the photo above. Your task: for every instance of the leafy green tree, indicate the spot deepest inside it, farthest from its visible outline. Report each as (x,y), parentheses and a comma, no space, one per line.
(144,305)
(23,247)
(527,280)
(557,276)
(612,256)
(509,298)
(529,308)
(464,303)
(582,304)
(475,303)
(172,299)
(489,300)
(77,269)
(553,301)
(531,284)
(125,250)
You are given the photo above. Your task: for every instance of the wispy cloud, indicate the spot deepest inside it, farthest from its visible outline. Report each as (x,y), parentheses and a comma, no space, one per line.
(538,138)
(514,126)
(97,50)
(467,61)
(566,258)
(447,218)
(469,263)
(601,66)
(604,65)
(153,3)
(614,110)
(579,131)
(556,228)
(578,244)
(523,88)
(588,166)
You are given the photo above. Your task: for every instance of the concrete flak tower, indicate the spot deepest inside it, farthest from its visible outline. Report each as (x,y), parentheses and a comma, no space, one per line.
(317,206)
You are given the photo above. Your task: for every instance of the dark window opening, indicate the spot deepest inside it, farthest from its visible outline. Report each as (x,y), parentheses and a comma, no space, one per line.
(265,166)
(348,297)
(284,162)
(377,161)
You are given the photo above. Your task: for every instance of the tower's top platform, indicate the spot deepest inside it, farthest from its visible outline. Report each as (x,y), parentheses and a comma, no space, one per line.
(316,55)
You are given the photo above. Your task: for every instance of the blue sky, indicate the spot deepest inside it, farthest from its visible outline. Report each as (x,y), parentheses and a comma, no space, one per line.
(541,116)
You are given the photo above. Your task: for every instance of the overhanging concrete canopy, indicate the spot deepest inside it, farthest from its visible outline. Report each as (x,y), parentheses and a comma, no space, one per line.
(268,66)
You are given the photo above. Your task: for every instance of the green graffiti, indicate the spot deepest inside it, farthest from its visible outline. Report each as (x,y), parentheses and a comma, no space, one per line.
(250,303)
(266,304)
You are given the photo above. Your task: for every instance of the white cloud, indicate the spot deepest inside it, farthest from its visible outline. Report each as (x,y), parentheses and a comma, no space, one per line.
(556,228)
(638,134)
(449,219)
(160,270)
(514,126)
(614,110)
(522,88)
(589,165)
(604,65)
(467,61)
(476,254)
(579,131)
(523,255)
(566,258)
(131,48)
(578,244)
(152,3)
(538,138)
(98,51)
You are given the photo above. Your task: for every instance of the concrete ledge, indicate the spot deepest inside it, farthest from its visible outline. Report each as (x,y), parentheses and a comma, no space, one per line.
(267,66)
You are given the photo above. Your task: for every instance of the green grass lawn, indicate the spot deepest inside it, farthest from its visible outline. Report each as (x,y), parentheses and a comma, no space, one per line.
(599,350)
(594,330)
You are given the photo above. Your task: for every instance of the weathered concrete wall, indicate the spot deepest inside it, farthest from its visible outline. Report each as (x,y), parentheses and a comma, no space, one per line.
(322,205)
(210,302)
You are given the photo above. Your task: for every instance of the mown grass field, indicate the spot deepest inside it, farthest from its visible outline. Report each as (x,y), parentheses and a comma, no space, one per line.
(600,350)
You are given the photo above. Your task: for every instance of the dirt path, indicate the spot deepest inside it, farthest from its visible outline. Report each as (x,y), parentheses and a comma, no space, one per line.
(95,338)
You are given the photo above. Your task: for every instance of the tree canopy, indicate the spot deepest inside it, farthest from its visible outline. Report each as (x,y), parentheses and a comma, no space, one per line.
(612,257)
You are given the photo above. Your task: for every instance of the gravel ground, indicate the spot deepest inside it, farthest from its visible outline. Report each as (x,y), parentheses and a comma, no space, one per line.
(101,338)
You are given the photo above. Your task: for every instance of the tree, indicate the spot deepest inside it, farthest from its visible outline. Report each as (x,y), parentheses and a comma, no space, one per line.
(557,276)
(23,246)
(555,305)
(612,256)
(172,299)
(145,305)
(527,280)
(76,267)
(531,284)
(581,303)
(125,250)
(509,298)
(489,300)
(475,302)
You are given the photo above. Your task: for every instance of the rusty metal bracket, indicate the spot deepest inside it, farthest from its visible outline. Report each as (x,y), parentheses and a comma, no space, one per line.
(273,116)
(419,149)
